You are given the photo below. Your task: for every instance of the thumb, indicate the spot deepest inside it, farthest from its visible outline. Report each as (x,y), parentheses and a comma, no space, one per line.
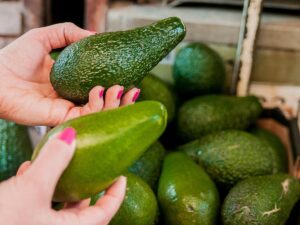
(53,159)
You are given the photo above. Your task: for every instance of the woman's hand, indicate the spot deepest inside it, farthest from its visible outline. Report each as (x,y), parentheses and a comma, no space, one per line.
(26,94)
(26,198)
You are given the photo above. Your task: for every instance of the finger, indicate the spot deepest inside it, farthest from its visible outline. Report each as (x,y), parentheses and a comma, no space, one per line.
(105,208)
(130,97)
(24,166)
(59,35)
(77,206)
(113,97)
(96,101)
(52,160)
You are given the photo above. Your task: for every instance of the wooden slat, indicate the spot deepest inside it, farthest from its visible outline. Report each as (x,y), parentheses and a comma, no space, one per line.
(10,18)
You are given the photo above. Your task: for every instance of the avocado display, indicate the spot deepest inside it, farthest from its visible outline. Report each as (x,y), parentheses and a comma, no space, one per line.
(198,69)
(231,155)
(210,113)
(262,200)
(148,166)
(280,156)
(186,194)
(153,88)
(122,57)
(107,144)
(15,148)
(139,206)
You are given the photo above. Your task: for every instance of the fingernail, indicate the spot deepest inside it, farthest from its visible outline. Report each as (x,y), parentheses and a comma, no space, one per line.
(92,31)
(136,95)
(68,135)
(120,93)
(101,93)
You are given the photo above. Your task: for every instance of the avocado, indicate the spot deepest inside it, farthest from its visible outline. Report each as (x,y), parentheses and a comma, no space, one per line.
(186,194)
(139,206)
(210,113)
(15,148)
(148,166)
(231,155)
(107,143)
(122,57)
(280,156)
(153,88)
(55,53)
(198,69)
(262,200)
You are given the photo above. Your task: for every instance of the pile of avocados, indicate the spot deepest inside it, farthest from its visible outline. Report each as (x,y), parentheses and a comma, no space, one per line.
(192,154)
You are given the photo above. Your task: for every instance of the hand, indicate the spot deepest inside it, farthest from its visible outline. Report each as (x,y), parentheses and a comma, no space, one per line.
(26,198)
(26,94)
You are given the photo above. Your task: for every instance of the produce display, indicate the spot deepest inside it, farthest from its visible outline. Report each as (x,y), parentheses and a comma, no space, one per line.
(223,169)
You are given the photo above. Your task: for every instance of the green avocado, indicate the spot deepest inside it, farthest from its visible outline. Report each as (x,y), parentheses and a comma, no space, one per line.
(280,156)
(107,143)
(186,194)
(106,59)
(148,166)
(139,206)
(231,155)
(153,88)
(198,69)
(263,200)
(210,113)
(15,148)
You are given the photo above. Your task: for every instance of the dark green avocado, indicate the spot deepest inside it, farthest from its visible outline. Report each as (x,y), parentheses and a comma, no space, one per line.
(122,57)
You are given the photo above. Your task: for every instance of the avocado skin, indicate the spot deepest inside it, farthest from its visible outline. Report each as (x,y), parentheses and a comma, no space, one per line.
(186,194)
(148,166)
(139,206)
(198,69)
(280,156)
(15,148)
(231,155)
(107,143)
(250,200)
(210,113)
(122,57)
(153,88)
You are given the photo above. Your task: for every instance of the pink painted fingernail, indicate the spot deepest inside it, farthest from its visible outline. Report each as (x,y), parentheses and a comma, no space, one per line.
(101,93)
(120,93)
(136,95)
(68,135)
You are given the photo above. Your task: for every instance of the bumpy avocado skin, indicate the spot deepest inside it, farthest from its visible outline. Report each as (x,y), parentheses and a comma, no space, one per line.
(262,200)
(122,57)
(186,194)
(279,152)
(153,88)
(210,113)
(231,155)
(15,148)
(148,166)
(198,69)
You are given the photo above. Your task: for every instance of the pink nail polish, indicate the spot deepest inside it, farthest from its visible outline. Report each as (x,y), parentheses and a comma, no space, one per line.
(136,95)
(120,94)
(101,93)
(68,135)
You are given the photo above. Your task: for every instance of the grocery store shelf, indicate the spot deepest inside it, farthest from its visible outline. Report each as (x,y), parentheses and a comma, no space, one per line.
(211,24)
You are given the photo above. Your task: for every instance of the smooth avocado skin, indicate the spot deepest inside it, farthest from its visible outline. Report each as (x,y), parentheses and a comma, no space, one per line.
(139,206)
(186,194)
(211,113)
(262,200)
(148,166)
(153,88)
(107,143)
(122,57)
(200,68)
(230,156)
(279,152)
(15,148)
